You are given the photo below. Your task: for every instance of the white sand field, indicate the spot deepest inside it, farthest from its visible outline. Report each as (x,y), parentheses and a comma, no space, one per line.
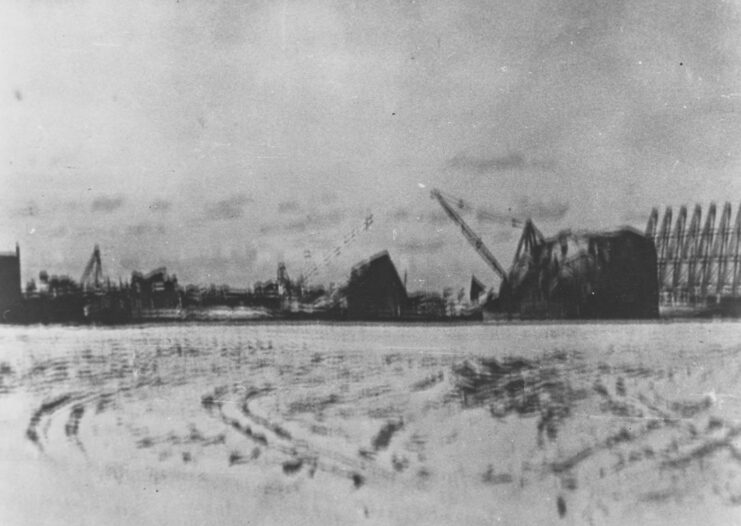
(371,424)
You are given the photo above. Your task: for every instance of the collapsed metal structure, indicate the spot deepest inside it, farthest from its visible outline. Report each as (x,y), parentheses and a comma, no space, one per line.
(699,263)
(573,275)
(582,275)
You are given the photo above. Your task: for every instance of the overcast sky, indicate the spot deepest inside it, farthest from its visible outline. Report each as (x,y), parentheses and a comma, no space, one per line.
(220,137)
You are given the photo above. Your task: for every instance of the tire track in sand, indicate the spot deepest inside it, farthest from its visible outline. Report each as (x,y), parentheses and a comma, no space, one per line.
(231,404)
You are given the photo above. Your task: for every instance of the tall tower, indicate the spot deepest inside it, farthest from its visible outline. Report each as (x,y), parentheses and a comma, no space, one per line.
(10,281)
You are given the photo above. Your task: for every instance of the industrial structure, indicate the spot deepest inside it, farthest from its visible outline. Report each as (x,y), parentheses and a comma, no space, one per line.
(698,262)
(314,267)
(92,276)
(582,275)
(682,265)
(10,284)
(472,237)
(375,290)
(571,275)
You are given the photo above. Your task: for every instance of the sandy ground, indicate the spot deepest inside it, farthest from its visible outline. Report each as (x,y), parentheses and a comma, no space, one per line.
(371,424)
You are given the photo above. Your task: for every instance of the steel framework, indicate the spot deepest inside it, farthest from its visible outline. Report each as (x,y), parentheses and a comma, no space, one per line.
(92,276)
(472,237)
(699,262)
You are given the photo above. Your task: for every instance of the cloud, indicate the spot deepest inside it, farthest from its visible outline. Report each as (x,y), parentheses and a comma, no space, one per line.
(551,210)
(702,133)
(288,207)
(130,262)
(107,204)
(311,221)
(434,216)
(501,236)
(634,215)
(510,161)
(422,246)
(315,220)
(160,205)
(269,228)
(143,229)
(297,225)
(231,208)
(59,232)
(486,216)
(327,198)
(239,268)
(400,214)
(438,217)
(30,209)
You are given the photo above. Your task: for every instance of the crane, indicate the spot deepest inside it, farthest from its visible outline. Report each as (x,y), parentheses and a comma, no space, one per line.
(337,250)
(92,276)
(470,235)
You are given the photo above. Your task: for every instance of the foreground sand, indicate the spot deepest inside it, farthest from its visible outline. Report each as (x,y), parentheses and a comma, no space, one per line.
(343,424)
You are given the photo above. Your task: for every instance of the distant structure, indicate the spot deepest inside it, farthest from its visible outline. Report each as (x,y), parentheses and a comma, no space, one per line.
(426,306)
(347,240)
(472,237)
(698,263)
(375,290)
(573,275)
(10,283)
(598,275)
(156,290)
(92,276)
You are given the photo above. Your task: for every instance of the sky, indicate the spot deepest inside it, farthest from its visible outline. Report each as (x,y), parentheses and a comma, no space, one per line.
(218,138)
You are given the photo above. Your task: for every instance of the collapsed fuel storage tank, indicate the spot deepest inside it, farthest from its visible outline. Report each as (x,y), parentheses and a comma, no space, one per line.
(582,275)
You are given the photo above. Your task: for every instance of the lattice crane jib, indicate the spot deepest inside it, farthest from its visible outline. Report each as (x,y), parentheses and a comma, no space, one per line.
(471,236)
(313,267)
(92,276)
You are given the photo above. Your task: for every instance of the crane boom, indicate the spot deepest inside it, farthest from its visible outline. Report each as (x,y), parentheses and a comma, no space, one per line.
(337,250)
(94,270)
(471,236)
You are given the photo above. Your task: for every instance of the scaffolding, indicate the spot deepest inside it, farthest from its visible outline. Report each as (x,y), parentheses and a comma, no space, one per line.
(699,262)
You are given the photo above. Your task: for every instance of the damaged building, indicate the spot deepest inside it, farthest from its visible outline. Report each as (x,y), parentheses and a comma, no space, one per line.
(582,275)
(156,290)
(375,290)
(10,284)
